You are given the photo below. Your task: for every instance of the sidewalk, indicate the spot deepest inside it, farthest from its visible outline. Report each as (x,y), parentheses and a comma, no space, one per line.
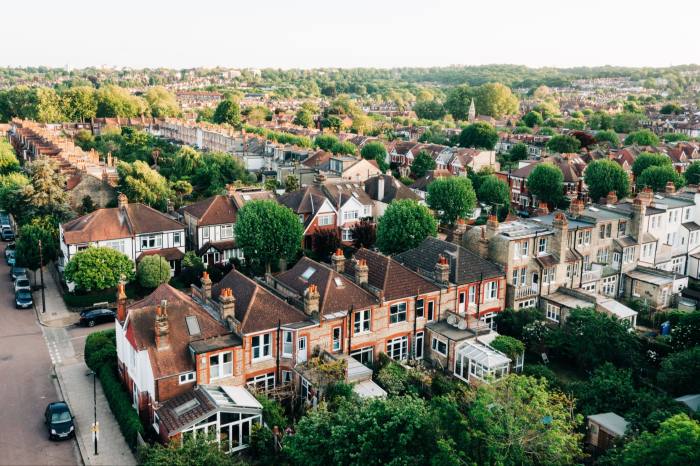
(77,390)
(57,314)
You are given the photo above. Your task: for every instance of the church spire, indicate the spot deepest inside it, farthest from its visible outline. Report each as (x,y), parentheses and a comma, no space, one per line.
(472,111)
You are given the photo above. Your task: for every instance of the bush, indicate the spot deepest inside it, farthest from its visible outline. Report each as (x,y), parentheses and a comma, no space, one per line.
(393,378)
(100,349)
(511,347)
(541,371)
(273,413)
(680,372)
(511,322)
(153,271)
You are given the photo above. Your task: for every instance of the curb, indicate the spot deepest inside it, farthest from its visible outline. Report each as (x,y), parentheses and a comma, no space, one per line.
(78,438)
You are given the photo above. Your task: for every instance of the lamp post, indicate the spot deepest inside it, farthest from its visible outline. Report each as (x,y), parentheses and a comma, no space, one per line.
(41,274)
(95,426)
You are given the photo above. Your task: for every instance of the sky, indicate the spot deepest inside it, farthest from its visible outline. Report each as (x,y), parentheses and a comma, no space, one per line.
(355,33)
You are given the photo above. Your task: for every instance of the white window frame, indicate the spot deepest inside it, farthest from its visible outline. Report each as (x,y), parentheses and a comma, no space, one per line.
(187,377)
(227,231)
(366,353)
(397,310)
(177,238)
(491,290)
(156,240)
(361,322)
(347,234)
(287,344)
(223,368)
(436,344)
(263,347)
(325,220)
(553,312)
(337,340)
(418,345)
(397,347)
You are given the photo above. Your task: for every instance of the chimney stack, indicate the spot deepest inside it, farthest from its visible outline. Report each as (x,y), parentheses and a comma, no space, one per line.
(122,201)
(442,270)
(561,235)
(612,198)
(646,195)
(121,302)
(206,285)
(228,304)
(543,208)
(361,272)
(230,189)
(491,226)
(639,210)
(576,208)
(670,188)
(162,327)
(338,261)
(312,300)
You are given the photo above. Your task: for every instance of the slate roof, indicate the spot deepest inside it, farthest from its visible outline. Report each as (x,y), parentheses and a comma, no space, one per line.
(394,279)
(341,192)
(257,309)
(117,223)
(304,201)
(338,292)
(174,422)
(465,266)
(393,189)
(422,183)
(213,210)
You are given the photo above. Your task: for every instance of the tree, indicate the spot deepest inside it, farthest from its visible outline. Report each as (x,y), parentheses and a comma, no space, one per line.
(404,225)
(422,164)
(186,161)
(325,141)
(87,205)
(519,421)
(546,182)
(46,192)
(49,107)
(344,147)
(80,103)
(626,122)
(152,271)
(495,100)
(458,101)
(452,198)
(98,268)
(228,111)
(532,119)
(162,102)
(686,333)
(692,173)
(304,118)
(429,110)
(291,183)
(604,176)
(671,108)
(675,137)
(364,233)
(600,120)
(332,122)
(375,150)
(141,183)
(511,347)
(643,137)
(267,231)
(114,101)
(518,152)
(216,170)
(480,135)
(680,372)
(658,177)
(27,248)
(563,144)
(676,442)
(608,389)
(496,193)
(8,159)
(608,136)
(646,160)
(361,124)
(192,451)
(11,189)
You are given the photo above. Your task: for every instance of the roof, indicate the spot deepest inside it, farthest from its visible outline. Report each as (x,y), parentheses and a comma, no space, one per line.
(368,389)
(567,300)
(117,223)
(465,266)
(338,292)
(183,410)
(421,184)
(257,309)
(394,279)
(213,210)
(616,308)
(691,401)
(691,226)
(339,193)
(171,254)
(392,189)
(650,277)
(610,422)
(482,354)
(140,330)
(220,246)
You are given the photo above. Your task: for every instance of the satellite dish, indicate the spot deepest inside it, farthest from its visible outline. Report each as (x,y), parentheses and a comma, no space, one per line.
(462,324)
(452,319)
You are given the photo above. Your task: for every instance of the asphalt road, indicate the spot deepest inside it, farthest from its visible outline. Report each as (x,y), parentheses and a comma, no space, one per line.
(26,386)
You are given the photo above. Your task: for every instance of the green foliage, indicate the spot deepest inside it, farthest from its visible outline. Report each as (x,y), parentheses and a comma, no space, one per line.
(45,194)
(141,183)
(680,372)
(193,451)
(540,371)
(325,141)
(600,121)
(604,176)
(518,152)
(8,159)
(509,346)
(80,103)
(97,268)
(344,148)
(216,170)
(375,150)
(563,144)
(511,322)
(692,173)
(11,188)
(422,164)
(452,198)
(304,118)
(675,137)
(608,136)
(114,101)
(626,122)
(162,102)
(291,183)
(393,378)
(532,119)
(495,100)
(228,111)
(404,225)
(273,413)
(458,100)
(608,389)
(100,349)
(575,123)
(429,110)
(27,248)
(480,135)
(646,160)
(496,193)
(267,231)
(152,271)
(545,131)
(643,137)
(671,108)
(657,178)
(546,182)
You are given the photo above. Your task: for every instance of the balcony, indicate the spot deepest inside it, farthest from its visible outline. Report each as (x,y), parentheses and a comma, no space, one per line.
(525,292)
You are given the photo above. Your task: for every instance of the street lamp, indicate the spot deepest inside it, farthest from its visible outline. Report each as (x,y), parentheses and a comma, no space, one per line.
(41,273)
(95,426)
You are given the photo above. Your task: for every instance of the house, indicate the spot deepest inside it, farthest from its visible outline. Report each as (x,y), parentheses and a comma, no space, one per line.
(315,212)
(604,429)
(354,169)
(472,159)
(420,186)
(351,203)
(82,185)
(384,189)
(210,223)
(135,230)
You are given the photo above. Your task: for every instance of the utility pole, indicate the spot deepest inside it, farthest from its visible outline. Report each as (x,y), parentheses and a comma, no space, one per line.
(95,425)
(41,273)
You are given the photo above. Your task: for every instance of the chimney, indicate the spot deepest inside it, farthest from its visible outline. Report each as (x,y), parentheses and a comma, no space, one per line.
(170,207)
(228,304)
(646,195)
(361,272)
(576,208)
(122,201)
(442,270)
(380,188)
(491,226)
(338,261)
(312,300)
(206,285)
(121,302)
(319,179)
(561,235)
(543,208)
(162,327)
(639,210)
(670,188)
(230,189)
(612,198)
(459,230)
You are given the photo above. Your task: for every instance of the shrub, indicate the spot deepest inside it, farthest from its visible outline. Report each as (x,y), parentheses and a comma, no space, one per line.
(393,378)
(511,347)
(273,413)
(100,349)
(541,371)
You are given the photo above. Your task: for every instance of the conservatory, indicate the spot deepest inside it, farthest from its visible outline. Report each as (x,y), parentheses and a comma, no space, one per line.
(475,361)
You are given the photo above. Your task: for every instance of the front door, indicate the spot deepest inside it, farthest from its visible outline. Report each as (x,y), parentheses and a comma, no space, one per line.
(301,349)
(462,299)
(535,281)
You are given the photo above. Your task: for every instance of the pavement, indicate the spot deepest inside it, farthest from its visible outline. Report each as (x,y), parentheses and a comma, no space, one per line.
(66,342)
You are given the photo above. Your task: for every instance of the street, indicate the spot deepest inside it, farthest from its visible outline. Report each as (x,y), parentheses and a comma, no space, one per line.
(27,386)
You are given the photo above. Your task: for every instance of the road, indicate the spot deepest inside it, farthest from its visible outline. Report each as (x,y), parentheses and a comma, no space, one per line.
(27,385)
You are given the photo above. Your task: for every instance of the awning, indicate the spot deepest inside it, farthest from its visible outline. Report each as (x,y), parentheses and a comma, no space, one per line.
(170,254)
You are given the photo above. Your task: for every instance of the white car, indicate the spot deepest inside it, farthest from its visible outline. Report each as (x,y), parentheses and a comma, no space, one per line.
(22,284)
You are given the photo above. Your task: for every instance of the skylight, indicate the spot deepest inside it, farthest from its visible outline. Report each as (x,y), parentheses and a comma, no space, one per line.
(192,325)
(246,197)
(308,273)
(186,407)
(338,282)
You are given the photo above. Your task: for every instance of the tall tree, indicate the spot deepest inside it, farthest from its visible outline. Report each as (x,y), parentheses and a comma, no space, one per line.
(458,101)
(495,100)
(162,102)
(98,268)
(46,192)
(8,159)
(563,144)
(608,136)
(604,176)
(480,135)
(80,103)
(49,108)
(495,193)
(452,198)
(304,118)
(643,137)
(404,225)
(27,245)
(647,159)
(533,119)
(546,182)
(422,164)
(141,183)
(216,170)
(692,173)
(228,111)
(658,177)
(429,110)
(114,101)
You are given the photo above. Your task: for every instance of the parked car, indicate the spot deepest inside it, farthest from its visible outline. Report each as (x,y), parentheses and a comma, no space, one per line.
(10,257)
(23,299)
(10,247)
(16,272)
(23,283)
(96,316)
(59,421)
(7,234)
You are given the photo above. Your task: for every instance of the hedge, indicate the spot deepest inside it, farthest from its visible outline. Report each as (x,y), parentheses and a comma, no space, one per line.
(101,356)
(77,300)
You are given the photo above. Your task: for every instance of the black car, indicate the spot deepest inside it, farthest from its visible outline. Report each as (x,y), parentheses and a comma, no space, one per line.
(59,421)
(97,316)
(7,234)
(23,299)
(16,272)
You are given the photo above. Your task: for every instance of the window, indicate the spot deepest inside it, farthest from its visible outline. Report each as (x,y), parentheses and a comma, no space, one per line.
(472,295)
(553,312)
(397,348)
(548,275)
(364,355)
(337,339)
(227,231)
(116,245)
(287,344)
(608,230)
(187,377)
(347,234)
(609,285)
(603,256)
(523,277)
(439,346)
(431,310)
(325,220)
(308,273)
(361,321)
(616,257)
(542,245)
(177,237)
(366,211)
(205,232)
(263,381)
(621,228)
(397,313)
(568,270)
(491,290)
(628,255)
(220,365)
(636,288)
(587,237)
(601,233)
(351,215)
(419,345)
(524,247)
(261,347)
(420,308)
(150,242)
(687,214)
(516,274)
(286,377)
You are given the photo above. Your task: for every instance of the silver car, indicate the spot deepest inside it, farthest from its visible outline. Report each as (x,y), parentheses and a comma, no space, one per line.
(22,284)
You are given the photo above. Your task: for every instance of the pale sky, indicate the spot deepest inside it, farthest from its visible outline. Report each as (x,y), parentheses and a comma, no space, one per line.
(351,33)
